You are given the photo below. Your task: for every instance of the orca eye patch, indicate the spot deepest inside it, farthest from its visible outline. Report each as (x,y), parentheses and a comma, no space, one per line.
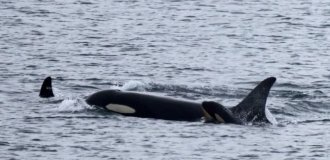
(219,118)
(118,108)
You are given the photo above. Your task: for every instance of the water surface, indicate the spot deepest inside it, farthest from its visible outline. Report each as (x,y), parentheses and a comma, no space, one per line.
(195,50)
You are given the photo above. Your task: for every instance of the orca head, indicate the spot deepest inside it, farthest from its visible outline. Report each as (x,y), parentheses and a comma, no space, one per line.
(217,113)
(110,100)
(102,98)
(210,111)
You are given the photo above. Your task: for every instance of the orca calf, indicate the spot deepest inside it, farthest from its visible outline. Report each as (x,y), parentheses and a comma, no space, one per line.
(251,109)
(216,113)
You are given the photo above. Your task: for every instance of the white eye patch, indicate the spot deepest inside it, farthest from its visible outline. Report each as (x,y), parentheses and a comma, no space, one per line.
(219,119)
(120,108)
(207,116)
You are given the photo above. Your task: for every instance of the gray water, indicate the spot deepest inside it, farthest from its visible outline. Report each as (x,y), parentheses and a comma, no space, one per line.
(196,50)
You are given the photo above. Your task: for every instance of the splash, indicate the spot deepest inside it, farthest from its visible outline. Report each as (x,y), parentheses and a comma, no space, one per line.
(58,93)
(132,86)
(73,105)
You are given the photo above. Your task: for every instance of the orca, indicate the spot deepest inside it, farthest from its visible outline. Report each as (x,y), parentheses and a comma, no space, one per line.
(146,105)
(137,104)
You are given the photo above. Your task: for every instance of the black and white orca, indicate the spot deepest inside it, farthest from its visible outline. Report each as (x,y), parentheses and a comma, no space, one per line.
(251,109)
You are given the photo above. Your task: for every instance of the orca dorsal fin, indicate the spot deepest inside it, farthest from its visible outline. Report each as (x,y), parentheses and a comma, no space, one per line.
(46,90)
(253,107)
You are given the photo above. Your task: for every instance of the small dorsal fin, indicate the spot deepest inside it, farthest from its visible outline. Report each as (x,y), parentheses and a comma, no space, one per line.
(46,90)
(252,107)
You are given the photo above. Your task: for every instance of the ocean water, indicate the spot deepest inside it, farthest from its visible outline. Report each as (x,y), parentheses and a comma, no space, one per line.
(187,49)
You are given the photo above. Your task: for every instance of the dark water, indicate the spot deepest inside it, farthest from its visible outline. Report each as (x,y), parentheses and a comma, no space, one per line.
(197,50)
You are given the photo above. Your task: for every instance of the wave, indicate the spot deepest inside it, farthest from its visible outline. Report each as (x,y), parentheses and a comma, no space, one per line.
(327,120)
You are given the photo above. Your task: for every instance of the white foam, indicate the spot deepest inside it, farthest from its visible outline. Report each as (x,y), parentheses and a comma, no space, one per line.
(132,86)
(72,105)
(57,92)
